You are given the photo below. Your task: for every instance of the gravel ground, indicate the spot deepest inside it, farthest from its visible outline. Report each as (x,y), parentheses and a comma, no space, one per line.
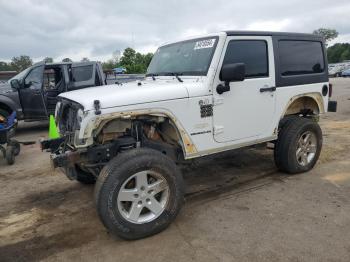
(238,207)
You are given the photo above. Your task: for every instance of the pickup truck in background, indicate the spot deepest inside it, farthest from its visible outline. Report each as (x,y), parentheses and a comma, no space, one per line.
(33,92)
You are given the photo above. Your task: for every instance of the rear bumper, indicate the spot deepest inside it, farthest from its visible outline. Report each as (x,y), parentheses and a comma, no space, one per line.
(332,106)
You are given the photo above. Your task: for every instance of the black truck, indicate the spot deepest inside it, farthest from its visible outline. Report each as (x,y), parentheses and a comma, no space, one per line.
(33,92)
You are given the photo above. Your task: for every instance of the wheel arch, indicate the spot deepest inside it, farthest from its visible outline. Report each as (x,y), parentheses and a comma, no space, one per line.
(5,106)
(185,141)
(10,105)
(312,102)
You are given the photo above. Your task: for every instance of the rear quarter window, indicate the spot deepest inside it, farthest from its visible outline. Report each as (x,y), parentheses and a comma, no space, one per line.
(82,73)
(299,57)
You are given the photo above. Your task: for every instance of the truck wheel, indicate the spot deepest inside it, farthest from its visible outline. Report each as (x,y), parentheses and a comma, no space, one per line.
(10,155)
(298,146)
(85,177)
(139,193)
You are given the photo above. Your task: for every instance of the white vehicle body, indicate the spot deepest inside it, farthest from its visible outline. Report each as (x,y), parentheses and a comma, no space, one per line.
(244,116)
(200,96)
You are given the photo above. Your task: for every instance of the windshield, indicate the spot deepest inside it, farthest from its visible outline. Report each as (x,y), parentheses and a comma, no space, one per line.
(191,57)
(20,75)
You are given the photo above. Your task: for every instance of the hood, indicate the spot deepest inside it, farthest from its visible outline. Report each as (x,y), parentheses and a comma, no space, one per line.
(5,88)
(130,93)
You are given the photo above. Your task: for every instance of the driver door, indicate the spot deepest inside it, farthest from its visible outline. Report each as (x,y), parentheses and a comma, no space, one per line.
(245,112)
(31,94)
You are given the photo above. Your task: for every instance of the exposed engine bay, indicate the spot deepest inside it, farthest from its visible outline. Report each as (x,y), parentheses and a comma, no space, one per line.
(115,136)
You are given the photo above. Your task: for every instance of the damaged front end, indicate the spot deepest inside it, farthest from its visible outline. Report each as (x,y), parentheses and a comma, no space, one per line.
(112,137)
(90,159)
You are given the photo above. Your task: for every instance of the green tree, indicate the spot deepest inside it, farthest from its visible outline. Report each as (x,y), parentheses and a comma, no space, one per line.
(22,62)
(328,34)
(147,59)
(67,60)
(128,57)
(48,60)
(6,66)
(110,64)
(345,55)
(338,53)
(135,62)
(85,59)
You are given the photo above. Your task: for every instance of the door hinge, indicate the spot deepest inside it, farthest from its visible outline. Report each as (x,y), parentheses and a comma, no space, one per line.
(218,101)
(218,130)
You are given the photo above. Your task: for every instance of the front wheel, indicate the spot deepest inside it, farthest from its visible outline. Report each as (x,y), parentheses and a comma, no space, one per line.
(298,146)
(16,147)
(139,193)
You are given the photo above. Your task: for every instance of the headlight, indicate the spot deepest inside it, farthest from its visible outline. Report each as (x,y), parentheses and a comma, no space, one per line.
(80,115)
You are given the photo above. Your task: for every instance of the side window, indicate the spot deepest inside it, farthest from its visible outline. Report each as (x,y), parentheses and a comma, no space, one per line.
(34,78)
(253,53)
(300,57)
(82,73)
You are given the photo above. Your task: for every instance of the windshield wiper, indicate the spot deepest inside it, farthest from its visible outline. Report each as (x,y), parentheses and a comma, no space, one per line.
(152,75)
(176,75)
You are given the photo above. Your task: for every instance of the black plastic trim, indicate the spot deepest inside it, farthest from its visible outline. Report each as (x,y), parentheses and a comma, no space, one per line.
(270,33)
(332,106)
(294,80)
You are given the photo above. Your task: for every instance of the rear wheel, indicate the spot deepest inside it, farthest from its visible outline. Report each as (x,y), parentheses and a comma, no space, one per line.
(298,146)
(139,193)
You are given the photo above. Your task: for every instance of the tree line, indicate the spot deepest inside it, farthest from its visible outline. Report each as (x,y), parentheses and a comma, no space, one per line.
(134,62)
(137,63)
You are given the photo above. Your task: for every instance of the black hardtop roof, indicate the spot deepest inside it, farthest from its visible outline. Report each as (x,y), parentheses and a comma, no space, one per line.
(270,33)
(69,63)
(62,63)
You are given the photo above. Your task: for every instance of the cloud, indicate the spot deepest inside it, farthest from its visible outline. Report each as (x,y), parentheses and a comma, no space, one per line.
(95,29)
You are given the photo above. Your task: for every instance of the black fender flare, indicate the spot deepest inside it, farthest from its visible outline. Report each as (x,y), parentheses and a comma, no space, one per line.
(8,103)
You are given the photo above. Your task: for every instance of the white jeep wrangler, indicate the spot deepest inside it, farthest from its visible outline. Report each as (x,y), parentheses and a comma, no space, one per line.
(200,96)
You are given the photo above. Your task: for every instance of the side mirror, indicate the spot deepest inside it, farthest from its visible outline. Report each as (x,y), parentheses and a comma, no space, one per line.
(230,73)
(15,84)
(233,72)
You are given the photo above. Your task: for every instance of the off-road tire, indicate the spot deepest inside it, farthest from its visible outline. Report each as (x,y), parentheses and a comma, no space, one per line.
(286,144)
(121,168)
(16,146)
(10,155)
(85,177)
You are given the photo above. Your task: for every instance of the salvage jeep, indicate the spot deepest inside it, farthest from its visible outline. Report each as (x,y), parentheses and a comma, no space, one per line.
(201,96)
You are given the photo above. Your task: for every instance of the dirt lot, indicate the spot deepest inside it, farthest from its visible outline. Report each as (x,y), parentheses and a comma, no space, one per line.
(238,208)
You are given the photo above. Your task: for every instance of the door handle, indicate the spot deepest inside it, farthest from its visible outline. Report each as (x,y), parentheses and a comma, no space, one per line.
(268,89)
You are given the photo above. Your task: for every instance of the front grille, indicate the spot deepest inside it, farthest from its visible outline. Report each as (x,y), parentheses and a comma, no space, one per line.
(67,120)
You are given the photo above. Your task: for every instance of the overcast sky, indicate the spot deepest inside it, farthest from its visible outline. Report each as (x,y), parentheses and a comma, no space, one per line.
(94,29)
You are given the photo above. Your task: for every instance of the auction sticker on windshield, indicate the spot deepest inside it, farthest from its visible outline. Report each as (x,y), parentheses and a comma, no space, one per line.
(207,43)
